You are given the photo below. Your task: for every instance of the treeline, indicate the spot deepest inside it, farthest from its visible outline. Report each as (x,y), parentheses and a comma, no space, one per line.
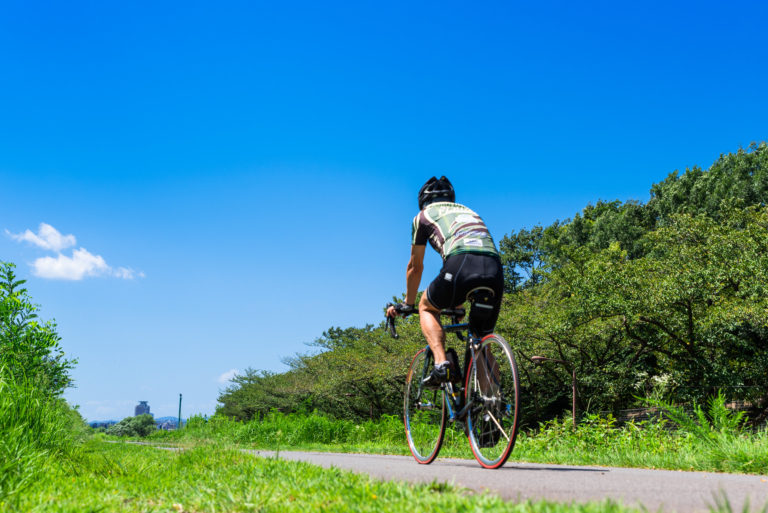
(665,298)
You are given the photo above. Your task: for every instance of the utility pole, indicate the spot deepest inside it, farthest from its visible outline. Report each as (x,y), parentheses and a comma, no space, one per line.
(178,426)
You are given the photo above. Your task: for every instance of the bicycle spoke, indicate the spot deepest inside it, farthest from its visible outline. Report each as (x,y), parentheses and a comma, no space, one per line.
(424,412)
(501,429)
(493,384)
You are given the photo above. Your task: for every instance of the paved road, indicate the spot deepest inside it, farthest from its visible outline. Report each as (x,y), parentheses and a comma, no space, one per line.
(663,490)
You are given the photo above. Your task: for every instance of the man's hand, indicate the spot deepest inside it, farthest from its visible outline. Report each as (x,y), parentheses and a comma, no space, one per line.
(403,309)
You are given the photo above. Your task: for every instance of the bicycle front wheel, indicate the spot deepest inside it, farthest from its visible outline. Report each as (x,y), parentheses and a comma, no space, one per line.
(424,411)
(493,390)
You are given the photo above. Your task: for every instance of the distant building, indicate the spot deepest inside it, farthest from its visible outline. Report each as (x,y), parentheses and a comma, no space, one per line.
(142,408)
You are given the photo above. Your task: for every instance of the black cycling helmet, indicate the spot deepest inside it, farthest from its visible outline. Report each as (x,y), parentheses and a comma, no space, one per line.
(435,190)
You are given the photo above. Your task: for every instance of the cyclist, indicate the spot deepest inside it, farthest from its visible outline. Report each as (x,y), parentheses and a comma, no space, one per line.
(471,263)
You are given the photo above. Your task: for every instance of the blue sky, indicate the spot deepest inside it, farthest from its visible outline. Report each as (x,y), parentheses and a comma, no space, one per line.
(247,171)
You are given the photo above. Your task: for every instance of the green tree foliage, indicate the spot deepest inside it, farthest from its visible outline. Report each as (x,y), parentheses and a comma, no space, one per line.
(257,392)
(138,426)
(664,297)
(351,373)
(523,256)
(29,348)
(690,315)
(740,177)
(37,427)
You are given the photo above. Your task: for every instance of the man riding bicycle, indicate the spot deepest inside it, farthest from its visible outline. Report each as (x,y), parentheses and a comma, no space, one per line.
(471,270)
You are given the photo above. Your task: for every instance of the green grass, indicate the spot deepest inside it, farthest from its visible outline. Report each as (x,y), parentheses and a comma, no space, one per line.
(216,478)
(213,474)
(597,441)
(35,429)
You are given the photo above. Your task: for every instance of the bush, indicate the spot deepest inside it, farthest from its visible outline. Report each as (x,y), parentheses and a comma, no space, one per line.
(138,426)
(29,348)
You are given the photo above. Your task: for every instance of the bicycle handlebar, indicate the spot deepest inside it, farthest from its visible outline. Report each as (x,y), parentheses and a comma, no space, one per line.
(390,324)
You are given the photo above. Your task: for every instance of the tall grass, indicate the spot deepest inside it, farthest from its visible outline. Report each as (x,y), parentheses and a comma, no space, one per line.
(598,440)
(34,428)
(650,444)
(291,430)
(722,434)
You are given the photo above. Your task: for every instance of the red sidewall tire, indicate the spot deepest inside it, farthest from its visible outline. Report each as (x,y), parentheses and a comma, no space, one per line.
(439,444)
(511,445)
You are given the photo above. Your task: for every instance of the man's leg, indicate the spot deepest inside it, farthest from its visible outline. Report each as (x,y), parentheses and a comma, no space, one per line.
(429,317)
(484,321)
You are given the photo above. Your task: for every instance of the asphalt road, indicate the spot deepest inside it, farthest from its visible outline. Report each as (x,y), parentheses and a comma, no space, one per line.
(656,490)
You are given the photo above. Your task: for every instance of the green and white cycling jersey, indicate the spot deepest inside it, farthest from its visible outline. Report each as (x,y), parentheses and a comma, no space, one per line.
(452,229)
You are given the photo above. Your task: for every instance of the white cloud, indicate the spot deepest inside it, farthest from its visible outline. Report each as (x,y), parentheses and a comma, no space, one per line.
(126,273)
(227,376)
(81,264)
(47,237)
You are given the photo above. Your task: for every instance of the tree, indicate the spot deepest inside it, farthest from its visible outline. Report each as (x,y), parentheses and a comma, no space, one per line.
(522,255)
(29,348)
(694,308)
(140,425)
(740,177)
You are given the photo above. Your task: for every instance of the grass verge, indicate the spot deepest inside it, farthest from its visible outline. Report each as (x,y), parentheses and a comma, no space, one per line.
(35,431)
(596,441)
(215,478)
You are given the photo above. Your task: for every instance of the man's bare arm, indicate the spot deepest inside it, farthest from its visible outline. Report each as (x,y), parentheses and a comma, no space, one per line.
(413,273)
(412,278)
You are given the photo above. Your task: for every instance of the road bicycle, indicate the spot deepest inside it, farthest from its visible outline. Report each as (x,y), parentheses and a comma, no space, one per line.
(483,399)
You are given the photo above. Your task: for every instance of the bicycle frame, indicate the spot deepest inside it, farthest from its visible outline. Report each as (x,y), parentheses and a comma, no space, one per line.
(456,410)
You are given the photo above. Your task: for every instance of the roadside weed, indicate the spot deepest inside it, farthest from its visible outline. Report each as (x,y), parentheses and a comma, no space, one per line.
(597,440)
(36,430)
(215,477)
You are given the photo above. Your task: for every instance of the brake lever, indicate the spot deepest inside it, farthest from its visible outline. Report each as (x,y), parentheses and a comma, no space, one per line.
(390,324)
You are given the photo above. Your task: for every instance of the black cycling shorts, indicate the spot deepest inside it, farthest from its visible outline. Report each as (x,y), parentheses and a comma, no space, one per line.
(460,275)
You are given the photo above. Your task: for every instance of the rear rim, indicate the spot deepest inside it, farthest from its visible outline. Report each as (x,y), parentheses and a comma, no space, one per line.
(493,387)
(424,413)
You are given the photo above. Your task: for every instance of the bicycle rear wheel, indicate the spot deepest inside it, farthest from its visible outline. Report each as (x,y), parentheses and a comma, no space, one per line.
(424,411)
(493,388)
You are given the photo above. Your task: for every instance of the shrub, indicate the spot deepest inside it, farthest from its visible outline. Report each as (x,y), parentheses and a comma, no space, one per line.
(138,426)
